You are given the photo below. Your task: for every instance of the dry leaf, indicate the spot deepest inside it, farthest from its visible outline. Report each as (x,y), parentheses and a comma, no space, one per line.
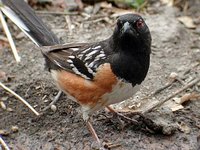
(189,96)
(106,5)
(184,128)
(186,97)
(174,105)
(15,129)
(168,2)
(187,21)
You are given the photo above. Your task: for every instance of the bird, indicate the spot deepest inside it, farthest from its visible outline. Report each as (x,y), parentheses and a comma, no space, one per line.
(95,74)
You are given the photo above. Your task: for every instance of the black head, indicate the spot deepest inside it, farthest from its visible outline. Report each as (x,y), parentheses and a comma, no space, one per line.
(132,34)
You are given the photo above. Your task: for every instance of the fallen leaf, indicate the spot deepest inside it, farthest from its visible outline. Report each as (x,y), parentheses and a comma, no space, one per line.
(168,2)
(188,97)
(15,129)
(187,21)
(174,104)
(184,128)
(106,5)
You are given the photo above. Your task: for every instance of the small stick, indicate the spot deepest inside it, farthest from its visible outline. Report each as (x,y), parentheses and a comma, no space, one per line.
(188,70)
(56,98)
(9,36)
(172,95)
(20,98)
(162,88)
(167,85)
(3,143)
(69,24)
(56,13)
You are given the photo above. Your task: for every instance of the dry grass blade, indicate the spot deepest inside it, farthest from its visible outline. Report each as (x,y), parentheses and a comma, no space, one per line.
(56,13)
(3,143)
(172,95)
(69,24)
(20,98)
(9,36)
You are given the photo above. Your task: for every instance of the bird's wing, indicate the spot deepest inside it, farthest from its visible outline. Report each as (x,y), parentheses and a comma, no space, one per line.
(81,58)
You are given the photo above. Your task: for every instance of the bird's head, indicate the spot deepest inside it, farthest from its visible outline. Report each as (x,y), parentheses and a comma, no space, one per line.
(132,34)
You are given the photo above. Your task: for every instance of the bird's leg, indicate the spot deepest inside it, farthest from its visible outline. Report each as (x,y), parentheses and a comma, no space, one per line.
(56,98)
(121,115)
(92,131)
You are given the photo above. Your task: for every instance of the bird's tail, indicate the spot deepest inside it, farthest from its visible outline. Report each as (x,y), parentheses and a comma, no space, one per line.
(26,19)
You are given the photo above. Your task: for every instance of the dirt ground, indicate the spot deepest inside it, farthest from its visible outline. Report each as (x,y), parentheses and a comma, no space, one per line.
(174,49)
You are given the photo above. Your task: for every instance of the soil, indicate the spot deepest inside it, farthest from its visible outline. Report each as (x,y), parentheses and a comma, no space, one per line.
(174,49)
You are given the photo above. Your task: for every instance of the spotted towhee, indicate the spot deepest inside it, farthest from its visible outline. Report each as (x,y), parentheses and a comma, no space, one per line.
(94,75)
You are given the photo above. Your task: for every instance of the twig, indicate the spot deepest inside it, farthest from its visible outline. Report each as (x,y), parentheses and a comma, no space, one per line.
(188,70)
(56,98)
(3,143)
(167,85)
(20,98)
(9,36)
(57,13)
(111,145)
(172,95)
(162,88)
(69,24)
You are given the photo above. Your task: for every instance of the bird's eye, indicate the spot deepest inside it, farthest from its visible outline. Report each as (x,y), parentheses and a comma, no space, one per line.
(140,23)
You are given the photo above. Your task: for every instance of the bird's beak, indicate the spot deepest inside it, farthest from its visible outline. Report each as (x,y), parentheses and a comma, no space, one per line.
(126,27)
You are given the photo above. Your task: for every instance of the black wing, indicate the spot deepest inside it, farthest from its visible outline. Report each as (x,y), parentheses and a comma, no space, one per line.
(82,59)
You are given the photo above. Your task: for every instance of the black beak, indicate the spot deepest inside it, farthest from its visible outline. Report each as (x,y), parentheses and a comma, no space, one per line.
(127,29)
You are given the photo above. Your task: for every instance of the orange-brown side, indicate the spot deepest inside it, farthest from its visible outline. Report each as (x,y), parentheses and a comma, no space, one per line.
(87,92)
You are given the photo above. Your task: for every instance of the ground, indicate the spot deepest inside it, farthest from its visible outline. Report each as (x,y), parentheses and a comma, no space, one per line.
(174,49)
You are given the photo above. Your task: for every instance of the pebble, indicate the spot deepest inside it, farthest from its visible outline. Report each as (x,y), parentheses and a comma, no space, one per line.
(14,129)
(173,75)
(53,107)
(9,109)
(3,106)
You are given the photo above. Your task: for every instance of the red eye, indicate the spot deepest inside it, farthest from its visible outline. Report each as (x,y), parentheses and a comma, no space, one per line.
(140,23)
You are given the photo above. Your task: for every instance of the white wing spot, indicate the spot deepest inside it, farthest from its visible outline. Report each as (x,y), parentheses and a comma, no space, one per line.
(69,61)
(91,53)
(72,57)
(85,50)
(80,56)
(100,56)
(75,49)
(97,47)
(71,65)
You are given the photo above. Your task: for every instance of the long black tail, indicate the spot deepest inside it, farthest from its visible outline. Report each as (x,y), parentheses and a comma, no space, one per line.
(26,19)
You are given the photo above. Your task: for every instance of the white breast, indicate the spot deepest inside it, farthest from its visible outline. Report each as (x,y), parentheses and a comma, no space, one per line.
(120,92)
